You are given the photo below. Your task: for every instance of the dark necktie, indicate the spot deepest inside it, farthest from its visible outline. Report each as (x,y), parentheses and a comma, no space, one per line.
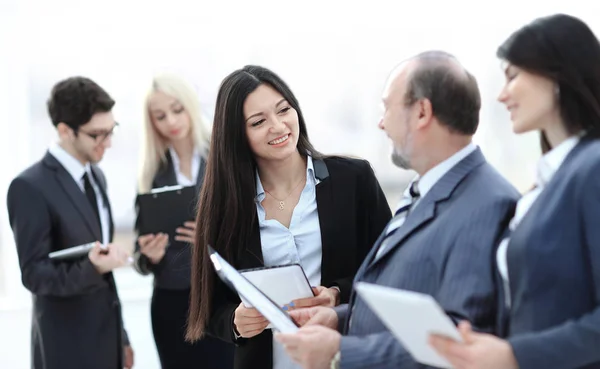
(400,216)
(91,196)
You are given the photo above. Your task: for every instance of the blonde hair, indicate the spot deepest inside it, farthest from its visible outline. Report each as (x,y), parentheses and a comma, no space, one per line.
(154,146)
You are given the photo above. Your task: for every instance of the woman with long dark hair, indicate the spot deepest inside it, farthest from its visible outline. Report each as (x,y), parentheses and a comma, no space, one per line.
(549,267)
(270,198)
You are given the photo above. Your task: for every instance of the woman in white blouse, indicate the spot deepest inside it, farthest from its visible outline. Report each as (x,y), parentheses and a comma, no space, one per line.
(550,264)
(174,153)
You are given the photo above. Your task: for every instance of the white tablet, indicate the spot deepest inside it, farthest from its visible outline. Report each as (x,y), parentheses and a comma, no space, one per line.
(412,317)
(282,284)
(267,307)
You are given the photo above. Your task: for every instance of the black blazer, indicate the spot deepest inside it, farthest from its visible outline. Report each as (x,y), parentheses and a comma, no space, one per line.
(352,213)
(173,271)
(76,311)
(553,260)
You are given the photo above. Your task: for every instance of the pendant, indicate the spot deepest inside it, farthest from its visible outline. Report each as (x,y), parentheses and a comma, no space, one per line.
(281,205)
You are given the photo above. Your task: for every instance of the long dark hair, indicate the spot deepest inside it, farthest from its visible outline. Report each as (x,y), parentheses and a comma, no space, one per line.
(226,208)
(564,49)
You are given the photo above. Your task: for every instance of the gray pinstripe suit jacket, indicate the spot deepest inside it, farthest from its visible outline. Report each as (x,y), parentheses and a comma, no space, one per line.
(445,248)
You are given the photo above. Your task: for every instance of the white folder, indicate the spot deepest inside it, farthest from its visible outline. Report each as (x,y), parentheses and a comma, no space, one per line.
(411,317)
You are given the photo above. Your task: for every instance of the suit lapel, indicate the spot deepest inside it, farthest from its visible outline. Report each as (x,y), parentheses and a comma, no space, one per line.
(327,216)
(75,194)
(425,210)
(423,213)
(253,248)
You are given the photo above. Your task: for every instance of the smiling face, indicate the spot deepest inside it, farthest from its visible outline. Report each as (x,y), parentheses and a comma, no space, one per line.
(272,125)
(530,99)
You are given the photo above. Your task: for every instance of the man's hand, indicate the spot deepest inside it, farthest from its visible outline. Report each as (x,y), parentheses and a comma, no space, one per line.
(154,246)
(318,315)
(477,351)
(108,258)
(128,357)
(313,347)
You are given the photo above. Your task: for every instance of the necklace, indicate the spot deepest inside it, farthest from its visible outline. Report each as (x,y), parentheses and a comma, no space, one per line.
(282,202)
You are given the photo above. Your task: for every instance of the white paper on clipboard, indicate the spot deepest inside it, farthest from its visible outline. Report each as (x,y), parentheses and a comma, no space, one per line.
(282,284)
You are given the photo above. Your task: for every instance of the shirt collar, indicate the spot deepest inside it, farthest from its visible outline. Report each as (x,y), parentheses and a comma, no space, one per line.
(175,158)
(429,179)
(72,165)
(310,175)
(552,160)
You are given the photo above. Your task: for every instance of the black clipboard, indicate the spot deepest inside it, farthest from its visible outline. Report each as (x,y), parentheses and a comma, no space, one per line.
(165,209)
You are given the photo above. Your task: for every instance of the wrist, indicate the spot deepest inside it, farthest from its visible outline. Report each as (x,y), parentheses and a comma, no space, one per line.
(155,259)
(336,295)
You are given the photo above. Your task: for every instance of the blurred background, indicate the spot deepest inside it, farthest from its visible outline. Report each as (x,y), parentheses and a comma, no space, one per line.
(335,55)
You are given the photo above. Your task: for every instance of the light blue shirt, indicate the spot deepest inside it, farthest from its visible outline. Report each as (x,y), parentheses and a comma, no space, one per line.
(300,243)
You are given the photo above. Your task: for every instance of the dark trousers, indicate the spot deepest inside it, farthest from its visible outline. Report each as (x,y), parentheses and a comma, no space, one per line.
(169,311)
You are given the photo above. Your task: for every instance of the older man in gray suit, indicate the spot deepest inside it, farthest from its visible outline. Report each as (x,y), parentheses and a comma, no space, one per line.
(442,239)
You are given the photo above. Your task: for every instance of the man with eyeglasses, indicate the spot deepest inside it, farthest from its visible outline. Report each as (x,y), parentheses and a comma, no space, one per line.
(61,202)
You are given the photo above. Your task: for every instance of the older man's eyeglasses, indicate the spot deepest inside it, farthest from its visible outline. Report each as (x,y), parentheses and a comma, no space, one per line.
(100,137)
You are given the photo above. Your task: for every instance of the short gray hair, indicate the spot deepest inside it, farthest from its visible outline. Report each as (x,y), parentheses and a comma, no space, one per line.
(451,89)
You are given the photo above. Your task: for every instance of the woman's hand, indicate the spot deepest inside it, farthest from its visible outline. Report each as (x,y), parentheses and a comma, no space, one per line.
(323,297)
(249,322)
(153,246)
(186,233)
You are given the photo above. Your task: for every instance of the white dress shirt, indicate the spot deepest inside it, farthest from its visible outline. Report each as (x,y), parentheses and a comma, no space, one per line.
(182,180)
(546,167)
(77,170)
(429,179)
(300,243)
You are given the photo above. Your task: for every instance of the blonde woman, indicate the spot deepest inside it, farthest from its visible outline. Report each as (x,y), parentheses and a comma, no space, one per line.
(174,148)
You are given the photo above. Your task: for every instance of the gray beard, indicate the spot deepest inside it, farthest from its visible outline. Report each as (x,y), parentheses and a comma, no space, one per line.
(400,161)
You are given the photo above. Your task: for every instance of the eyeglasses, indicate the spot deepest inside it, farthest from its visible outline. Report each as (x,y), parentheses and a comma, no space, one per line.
(100,137)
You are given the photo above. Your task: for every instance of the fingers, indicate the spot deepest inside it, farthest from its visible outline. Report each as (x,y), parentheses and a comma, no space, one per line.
(185,234)
(453,351)
(154,245)
(96,250)
(191,225)
(311,301)
(289,340)
(184,239)
(159,241)
(317,290)
(243,311)
(250,330)
(300,316)
(117,254)
(145,239)
(464,327)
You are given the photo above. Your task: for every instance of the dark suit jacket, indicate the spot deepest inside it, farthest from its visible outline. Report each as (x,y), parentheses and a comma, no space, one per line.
(173,271)
(76,311)
(445,249)
(554,269)
(352,212)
